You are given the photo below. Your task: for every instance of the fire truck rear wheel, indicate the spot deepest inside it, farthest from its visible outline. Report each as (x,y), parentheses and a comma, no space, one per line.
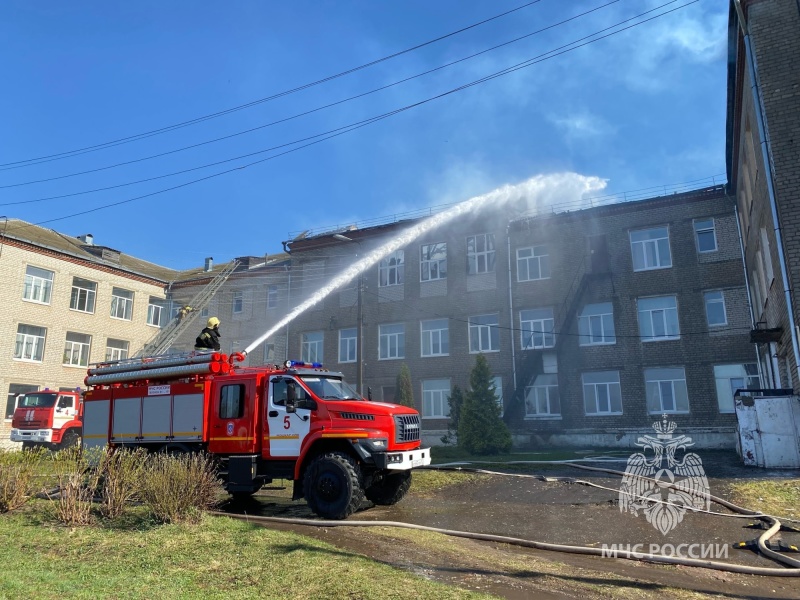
(389,489)
(332,485)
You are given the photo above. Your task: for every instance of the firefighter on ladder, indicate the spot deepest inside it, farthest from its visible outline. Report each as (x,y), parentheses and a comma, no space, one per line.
(209,337)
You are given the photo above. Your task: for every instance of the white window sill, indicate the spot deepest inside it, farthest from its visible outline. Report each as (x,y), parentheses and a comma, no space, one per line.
(32,301)
(542,417)
(606,414)
(661,339)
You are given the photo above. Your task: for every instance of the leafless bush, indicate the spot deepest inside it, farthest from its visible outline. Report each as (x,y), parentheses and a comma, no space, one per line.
(121,473)
(17,478)
(76,475)
(178,488)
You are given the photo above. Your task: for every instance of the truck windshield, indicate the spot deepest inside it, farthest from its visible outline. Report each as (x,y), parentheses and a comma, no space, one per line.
(328,388)
(38,400)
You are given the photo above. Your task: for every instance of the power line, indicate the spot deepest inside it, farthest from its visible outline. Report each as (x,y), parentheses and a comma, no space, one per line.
(352,127)
(138,136)
(295,116)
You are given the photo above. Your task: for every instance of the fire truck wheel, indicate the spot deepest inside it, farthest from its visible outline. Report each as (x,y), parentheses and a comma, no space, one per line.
(332,486)
(70,439)
(389,489)
(28,446)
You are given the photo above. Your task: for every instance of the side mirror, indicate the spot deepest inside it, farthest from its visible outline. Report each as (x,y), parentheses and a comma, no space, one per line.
(369,394)
(291,397)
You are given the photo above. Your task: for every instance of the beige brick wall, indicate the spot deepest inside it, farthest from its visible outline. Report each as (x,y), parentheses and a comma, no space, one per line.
(58,319)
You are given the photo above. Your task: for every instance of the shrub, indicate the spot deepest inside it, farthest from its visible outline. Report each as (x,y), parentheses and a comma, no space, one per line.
(17,477)
(480,428)
(179,487)
(404,389)
(455,401)
(121,473)
(77,479)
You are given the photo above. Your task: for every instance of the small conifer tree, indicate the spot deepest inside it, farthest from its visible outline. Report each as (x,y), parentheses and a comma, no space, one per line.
(455,401)
(480,429)
(404,391)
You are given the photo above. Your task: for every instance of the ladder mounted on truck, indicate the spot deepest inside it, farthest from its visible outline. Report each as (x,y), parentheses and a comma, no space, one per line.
(163,340)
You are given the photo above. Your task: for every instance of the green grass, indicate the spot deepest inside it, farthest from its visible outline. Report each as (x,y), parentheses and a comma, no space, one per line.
(779,497)
(218,558)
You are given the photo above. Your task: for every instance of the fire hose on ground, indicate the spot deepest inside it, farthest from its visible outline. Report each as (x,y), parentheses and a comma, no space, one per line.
(763,539)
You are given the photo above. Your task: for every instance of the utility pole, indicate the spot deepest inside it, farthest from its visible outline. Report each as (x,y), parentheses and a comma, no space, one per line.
(360,324)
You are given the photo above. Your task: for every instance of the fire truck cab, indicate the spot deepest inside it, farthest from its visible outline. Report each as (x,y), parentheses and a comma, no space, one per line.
(48,419)
(297,421)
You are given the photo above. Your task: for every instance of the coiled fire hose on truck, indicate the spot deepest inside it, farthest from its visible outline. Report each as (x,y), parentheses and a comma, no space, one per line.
(793,571)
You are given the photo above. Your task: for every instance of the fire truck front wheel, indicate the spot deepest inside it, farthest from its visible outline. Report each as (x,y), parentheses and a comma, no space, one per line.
(70,439)
(332,485)
(389,489)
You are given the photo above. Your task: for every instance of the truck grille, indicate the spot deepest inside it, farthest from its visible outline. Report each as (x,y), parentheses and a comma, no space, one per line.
(407,428)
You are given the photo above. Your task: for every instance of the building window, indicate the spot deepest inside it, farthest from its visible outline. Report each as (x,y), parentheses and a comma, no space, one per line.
(497,381)
(348,345)
(596,325)
(30,343)
(536,328)
(83,295)
(765,248)
(311,347)
(272,296)
(155,311)
(121,304)
(391,341)
(484,335)
(480,253)
(533,263)
(38,285)
(542,398)
(650,249)
(238,302)
(658,318)
(602,394)
(390,269)
(730,378)
(433,262)
(435,396)
(706,235)
(76,349)
(666,390)
(116,349)
(435,337)
(715,308)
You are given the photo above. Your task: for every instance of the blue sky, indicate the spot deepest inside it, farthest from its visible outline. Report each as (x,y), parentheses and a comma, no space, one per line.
(642,108)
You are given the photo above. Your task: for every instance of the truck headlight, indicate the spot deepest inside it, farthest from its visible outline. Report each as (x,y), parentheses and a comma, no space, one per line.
(376,444)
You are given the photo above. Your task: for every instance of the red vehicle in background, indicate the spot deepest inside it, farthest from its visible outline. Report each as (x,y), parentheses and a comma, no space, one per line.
(48,419)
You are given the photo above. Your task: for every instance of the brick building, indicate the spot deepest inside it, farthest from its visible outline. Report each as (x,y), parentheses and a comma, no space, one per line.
(68,302)
(763,156)
(594,322)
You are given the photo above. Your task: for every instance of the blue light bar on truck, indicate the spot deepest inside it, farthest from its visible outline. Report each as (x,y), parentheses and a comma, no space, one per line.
(289,364)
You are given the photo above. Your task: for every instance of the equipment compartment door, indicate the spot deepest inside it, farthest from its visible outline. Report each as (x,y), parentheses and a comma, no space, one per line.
(233,416)
(95,423)
(127,420)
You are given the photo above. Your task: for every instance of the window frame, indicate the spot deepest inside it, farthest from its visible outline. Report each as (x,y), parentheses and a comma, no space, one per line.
(527,329)
(237,302)
(546,383)
(83,295)
(721,377)
(587,319)
(83,348)
(607,384)
(127,304)
(272,296)
(155,308)
(644,244)
(427,335)
(439,395)
(115,353)
(653,338)
(476,255)
(542,262)
(427,264)
(393,339)
(349,344)
(37,345)
(721,300)
(33,282)
(699,230)
(483,329)
(661,410)
(309,346)
(391,269)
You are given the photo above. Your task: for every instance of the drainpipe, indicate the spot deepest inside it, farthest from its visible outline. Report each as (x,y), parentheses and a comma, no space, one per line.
(747,286)
(511,311)
(766,153)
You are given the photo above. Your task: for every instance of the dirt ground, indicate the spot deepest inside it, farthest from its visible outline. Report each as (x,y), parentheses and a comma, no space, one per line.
(556,512)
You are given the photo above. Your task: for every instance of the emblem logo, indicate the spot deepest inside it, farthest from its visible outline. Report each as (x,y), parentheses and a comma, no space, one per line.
(229,429)
(662,486)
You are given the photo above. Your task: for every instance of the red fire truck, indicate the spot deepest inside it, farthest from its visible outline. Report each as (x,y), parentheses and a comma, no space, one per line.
(297,421)
(48,419)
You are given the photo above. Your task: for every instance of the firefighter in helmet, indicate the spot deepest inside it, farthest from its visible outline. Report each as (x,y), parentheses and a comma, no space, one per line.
(209,337)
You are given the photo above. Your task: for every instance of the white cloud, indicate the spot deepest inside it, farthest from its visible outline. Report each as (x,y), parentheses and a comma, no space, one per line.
(582,125)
